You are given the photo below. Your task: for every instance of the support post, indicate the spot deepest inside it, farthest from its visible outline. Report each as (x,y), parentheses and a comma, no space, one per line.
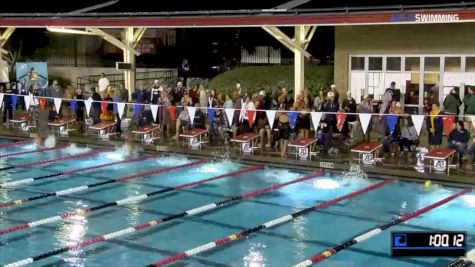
(299,61)
(129,57)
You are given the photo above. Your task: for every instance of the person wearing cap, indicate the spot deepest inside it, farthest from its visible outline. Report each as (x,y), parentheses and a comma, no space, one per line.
(103,83)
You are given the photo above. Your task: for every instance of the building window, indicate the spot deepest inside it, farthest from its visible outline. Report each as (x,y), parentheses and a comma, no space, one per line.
(452,64)
(432,64)
(470,64)
(357,63)
(412,64)
(393,63)
(375,63)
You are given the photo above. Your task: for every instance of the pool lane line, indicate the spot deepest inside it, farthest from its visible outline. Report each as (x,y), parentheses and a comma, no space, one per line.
(131,229)
(266,225)
(466,261)
(328,253)
(85,187)
(125,201)
(46,161)
(10,144)
(37,150)
(47,176)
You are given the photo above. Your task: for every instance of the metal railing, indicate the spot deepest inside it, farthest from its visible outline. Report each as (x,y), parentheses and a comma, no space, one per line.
(167,77)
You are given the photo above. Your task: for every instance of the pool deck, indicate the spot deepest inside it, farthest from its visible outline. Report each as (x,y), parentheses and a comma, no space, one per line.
(399,167)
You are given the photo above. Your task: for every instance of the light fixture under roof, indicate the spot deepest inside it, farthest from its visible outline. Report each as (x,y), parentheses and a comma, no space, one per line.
(66,30)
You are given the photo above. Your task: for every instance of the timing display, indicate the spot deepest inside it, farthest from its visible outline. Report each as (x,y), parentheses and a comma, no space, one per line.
(428,244)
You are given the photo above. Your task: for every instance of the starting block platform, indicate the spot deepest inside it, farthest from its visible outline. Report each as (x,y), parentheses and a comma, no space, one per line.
(62,125)
(304,147)
(367,152)
(103,129)
(195,137)
(247,142)
(23,122)
(147,133)
(440,158)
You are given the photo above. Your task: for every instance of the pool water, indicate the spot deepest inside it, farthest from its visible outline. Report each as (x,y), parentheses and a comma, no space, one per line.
(284,245)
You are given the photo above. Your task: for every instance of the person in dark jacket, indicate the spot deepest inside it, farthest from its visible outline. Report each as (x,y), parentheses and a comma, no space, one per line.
(96,106)
(331,105)
(199,121)
(452,103)
(80,107)
(458,140)
(435,126)
(469,102)
(349,106)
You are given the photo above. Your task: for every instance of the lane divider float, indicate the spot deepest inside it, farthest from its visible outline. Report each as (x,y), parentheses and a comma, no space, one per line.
(40,178)
(125,201)
(47,161)
(10,144)
(85,187)
(43,149)
(131,229)
(266,225)
(328,253)
(466,261)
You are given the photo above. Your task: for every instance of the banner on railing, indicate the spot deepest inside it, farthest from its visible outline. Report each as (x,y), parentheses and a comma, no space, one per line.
(365,119)
(418,121)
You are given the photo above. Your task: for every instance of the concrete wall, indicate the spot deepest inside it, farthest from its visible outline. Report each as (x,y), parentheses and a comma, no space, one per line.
(455,38)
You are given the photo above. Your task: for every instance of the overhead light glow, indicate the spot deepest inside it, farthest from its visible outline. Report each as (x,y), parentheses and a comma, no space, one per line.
(66,30)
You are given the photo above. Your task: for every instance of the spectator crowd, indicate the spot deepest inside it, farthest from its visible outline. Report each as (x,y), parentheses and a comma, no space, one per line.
(291,117)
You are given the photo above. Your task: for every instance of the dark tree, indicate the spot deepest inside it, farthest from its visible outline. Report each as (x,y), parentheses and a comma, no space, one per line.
(22,45)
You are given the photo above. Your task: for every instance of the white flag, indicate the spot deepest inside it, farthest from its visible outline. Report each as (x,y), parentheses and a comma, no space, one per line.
(241,114)
(191,113)
(154,109)
(120,108)
(418,120)
(1,99)
(316,117)
(365,119)
(88,104)
(271,117)
(229,115)
(57,104)
(28,98)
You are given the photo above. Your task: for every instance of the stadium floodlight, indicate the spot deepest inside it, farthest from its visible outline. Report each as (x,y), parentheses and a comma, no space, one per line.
(66,30)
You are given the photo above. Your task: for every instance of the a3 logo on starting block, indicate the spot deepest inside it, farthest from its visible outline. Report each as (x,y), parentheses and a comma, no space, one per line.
(194,143)
(246,147)
(368,158)
(303,152)
(63,131)
(440,165)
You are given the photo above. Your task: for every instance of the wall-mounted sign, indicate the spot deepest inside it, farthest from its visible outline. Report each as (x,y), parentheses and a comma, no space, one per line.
(424,18)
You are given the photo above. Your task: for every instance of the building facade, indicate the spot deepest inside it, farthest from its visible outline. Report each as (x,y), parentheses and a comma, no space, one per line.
(426,61)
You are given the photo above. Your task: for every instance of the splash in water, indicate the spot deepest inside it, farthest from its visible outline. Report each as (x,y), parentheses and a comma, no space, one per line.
(255,257)
(355,172)
(50,141)
(74,149)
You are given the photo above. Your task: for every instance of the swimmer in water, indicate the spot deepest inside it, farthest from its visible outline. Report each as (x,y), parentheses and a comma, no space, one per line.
(39,139)
(430,186)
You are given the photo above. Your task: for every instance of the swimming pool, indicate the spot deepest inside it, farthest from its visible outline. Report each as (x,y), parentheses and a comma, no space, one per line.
(284,245)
